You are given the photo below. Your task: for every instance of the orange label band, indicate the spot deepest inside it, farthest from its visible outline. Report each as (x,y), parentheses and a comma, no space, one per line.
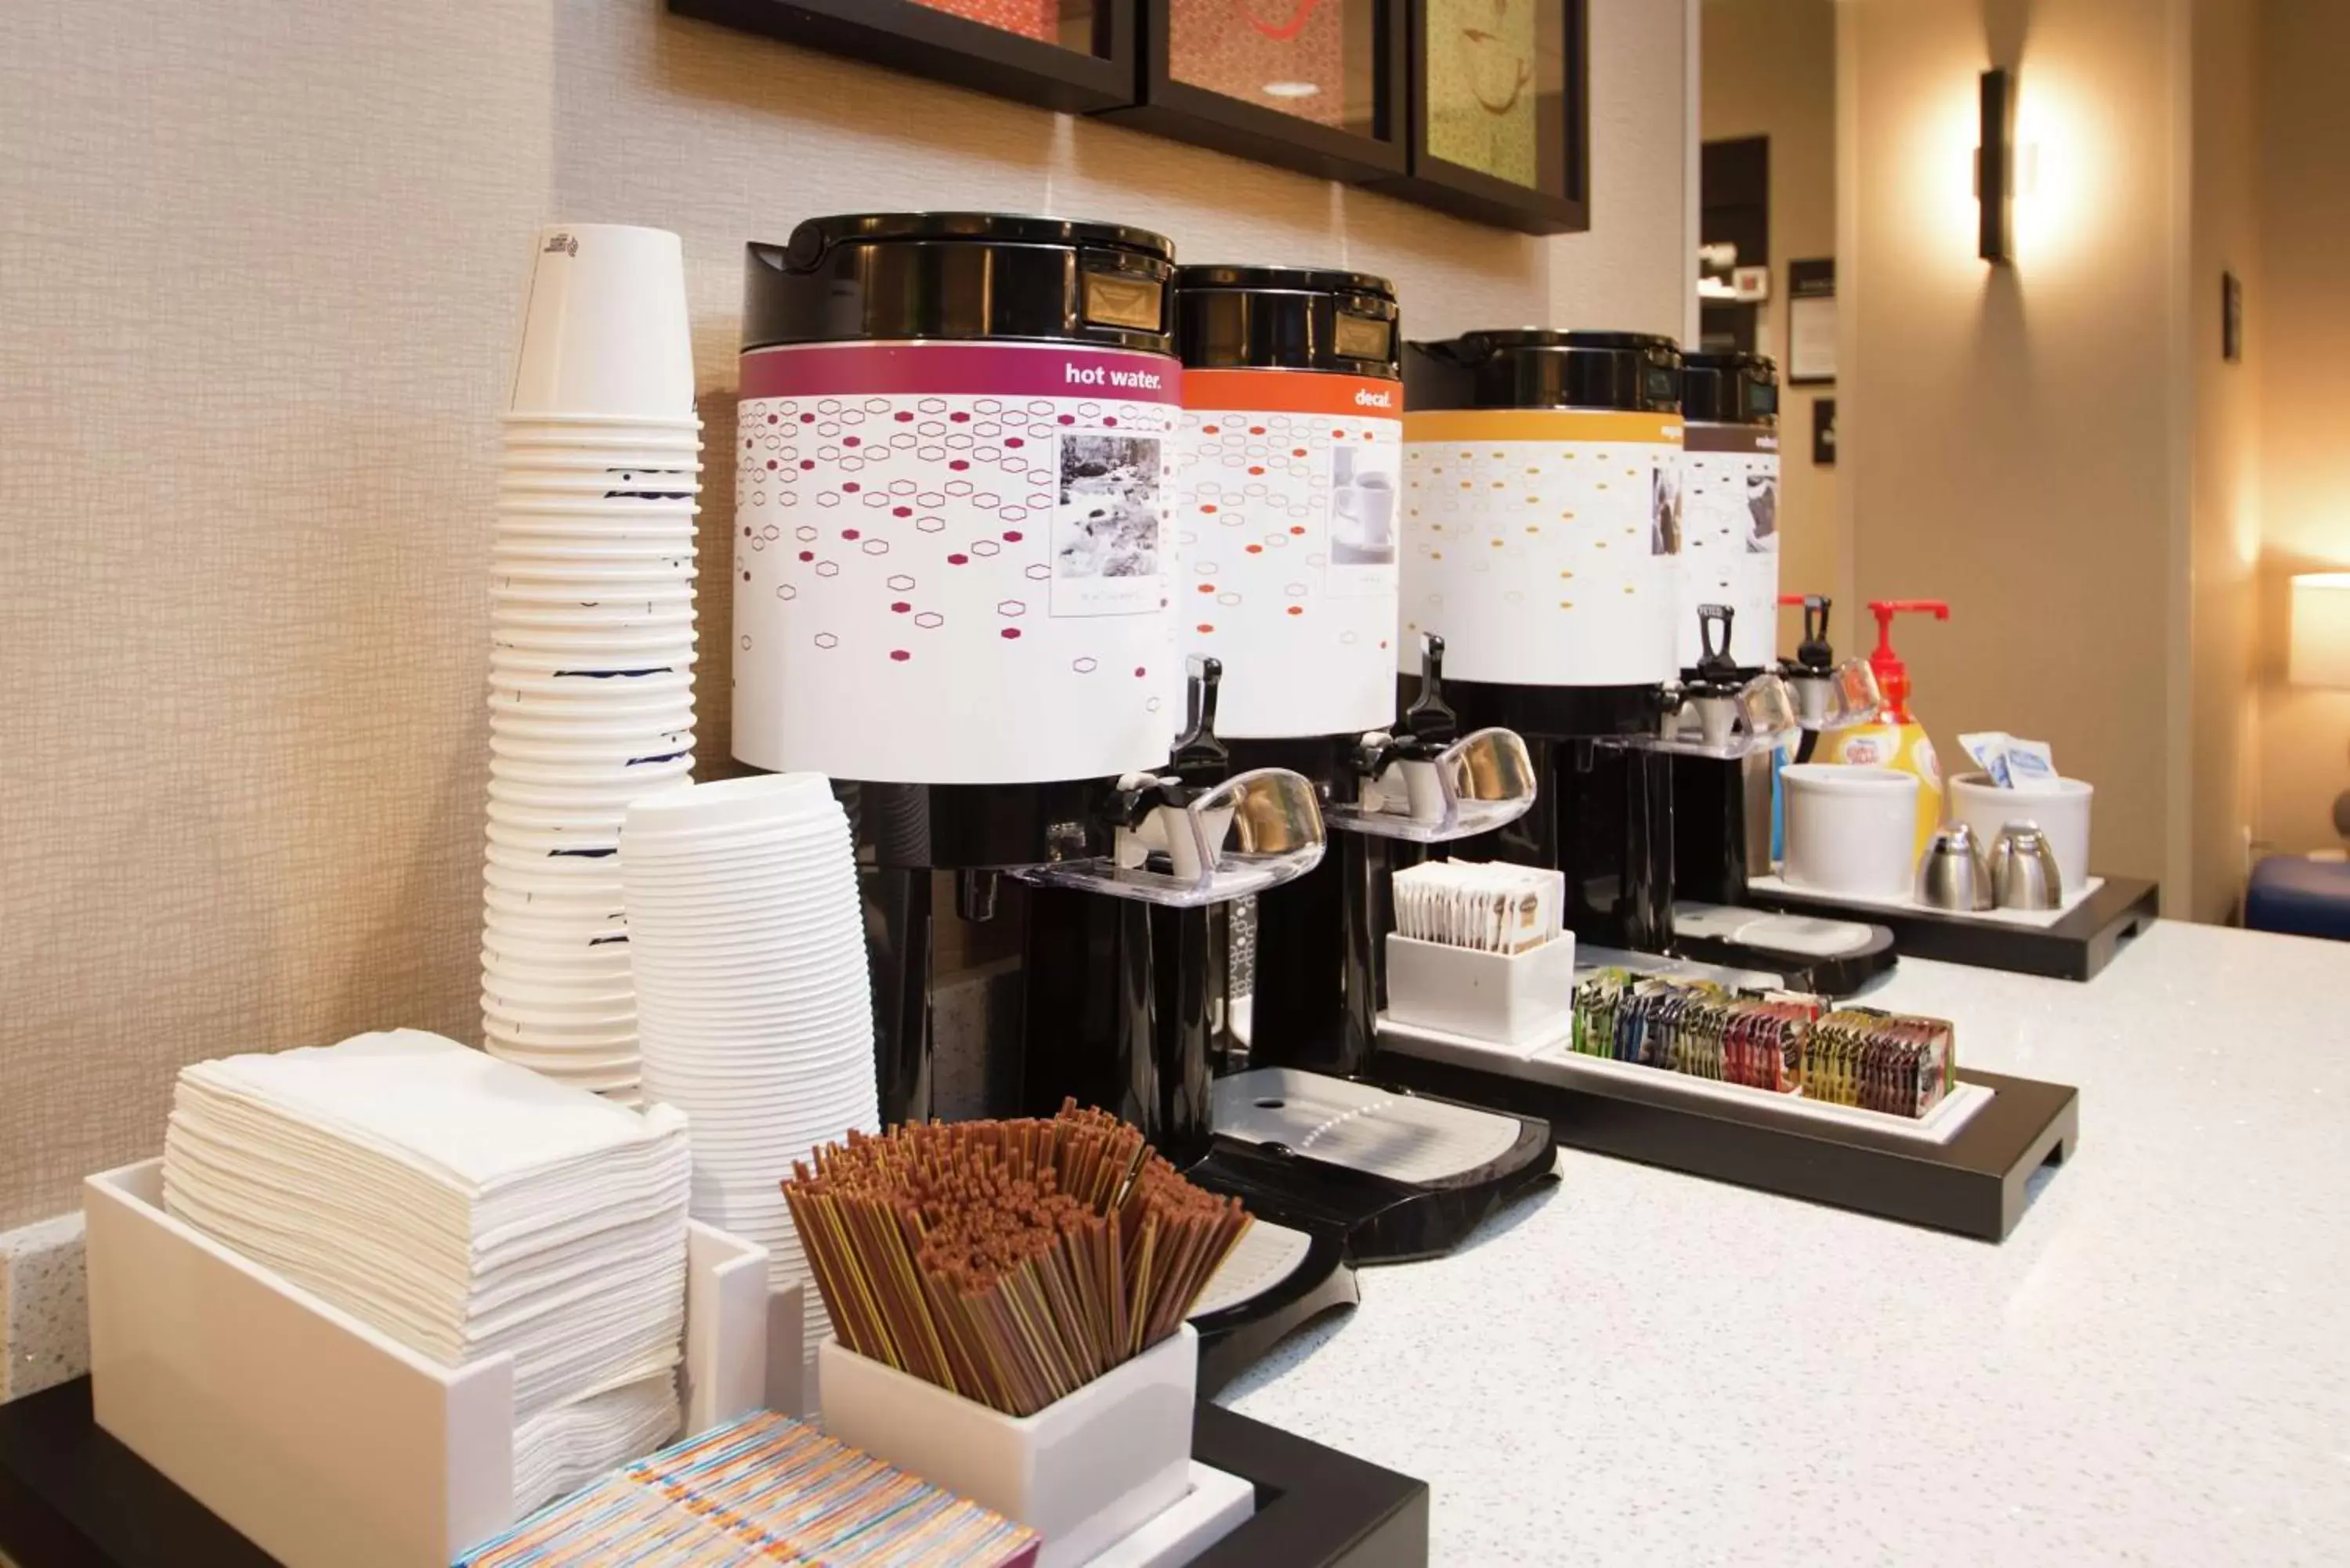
(1535,424)
(1293,392)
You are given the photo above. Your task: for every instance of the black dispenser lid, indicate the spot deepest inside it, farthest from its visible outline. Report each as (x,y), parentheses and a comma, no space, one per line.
(960,275)
(1544,368)
(1286,319)
(1730,389)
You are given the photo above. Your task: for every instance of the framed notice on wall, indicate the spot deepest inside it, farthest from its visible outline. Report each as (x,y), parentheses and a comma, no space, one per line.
(1311,85)
(1500,113)
(1810,323)
(1077,55)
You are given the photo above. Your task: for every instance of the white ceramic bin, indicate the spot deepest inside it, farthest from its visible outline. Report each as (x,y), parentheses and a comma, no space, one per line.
(324,1442)
(1084,1472)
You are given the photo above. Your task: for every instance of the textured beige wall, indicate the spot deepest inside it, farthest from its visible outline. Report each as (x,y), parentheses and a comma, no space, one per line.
(1637,269)
(1771,70)
(261,261)
(2305,200)
(2015,438)
(2226,529)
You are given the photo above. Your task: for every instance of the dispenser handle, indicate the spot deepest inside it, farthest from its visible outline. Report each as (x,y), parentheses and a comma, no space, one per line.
(1430,717)
(1814,652)
(1199,757)
(1712,618)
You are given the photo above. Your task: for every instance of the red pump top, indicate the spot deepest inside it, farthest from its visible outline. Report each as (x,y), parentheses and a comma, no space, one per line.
(1892,675)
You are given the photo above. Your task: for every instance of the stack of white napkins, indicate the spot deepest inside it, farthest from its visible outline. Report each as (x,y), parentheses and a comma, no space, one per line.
(466,1208)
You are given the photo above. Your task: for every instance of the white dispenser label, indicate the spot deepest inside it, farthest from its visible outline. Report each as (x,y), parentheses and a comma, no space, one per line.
(1540,544)
(1729,538)
(1288,491)
(952,562)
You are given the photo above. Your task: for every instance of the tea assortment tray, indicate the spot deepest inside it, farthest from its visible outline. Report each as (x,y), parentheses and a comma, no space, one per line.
(1716,1072)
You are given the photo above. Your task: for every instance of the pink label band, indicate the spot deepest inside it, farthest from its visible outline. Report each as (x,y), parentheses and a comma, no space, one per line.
(960,370)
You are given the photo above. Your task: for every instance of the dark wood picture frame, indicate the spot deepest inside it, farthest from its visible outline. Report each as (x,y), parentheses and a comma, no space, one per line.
(1468,192)
(920,41)
(1184,111)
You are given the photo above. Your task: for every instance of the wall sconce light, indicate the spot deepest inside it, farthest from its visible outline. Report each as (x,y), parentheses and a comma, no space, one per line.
(1995,168)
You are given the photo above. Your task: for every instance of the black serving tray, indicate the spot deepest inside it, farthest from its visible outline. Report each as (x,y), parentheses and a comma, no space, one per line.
(72,1497)
(2075,948)
(1974,1185)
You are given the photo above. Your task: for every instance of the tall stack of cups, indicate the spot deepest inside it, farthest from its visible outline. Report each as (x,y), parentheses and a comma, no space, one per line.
(592,641)
(758,1010)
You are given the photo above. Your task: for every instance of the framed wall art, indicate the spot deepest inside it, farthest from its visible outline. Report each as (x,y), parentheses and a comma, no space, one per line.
(1499,114)
(1312,85)
(1077,55)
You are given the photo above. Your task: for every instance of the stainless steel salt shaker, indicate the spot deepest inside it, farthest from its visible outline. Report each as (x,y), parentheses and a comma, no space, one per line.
(1952,874)
(2023,873)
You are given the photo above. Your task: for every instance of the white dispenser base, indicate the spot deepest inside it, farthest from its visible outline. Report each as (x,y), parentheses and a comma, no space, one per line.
(1359,1125)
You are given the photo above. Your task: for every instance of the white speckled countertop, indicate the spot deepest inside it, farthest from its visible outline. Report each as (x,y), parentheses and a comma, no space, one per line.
(1638,1366)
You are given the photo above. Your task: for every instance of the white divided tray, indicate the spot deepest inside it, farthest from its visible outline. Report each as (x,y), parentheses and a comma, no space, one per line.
(1558,1063)
(1779,887)
(1213,1505)
(324,1441)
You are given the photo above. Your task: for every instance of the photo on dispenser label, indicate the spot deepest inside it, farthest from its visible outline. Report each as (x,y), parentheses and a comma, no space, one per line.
(1665,510)
(1364,481)
(1105,524)
(1762,513)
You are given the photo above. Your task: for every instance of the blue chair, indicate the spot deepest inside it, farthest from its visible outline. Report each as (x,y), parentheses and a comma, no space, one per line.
(2300,898)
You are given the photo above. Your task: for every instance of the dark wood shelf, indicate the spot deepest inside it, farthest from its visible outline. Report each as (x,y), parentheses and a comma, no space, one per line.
(73,1496)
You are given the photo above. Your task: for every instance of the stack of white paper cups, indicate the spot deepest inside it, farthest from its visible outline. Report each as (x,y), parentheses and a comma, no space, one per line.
(592,640)
(749,948)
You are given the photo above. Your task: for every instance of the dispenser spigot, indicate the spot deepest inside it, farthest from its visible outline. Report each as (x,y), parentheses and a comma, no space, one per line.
(1199,759)
(1428,726)
(1812,654)
(1428,729)
(1429,721)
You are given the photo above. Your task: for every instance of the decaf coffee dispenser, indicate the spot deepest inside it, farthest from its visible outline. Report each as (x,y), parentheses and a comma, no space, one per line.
(1288,482)
(1288,504)
(951,584)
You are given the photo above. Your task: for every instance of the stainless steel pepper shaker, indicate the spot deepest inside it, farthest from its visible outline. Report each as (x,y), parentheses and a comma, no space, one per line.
(2023,873)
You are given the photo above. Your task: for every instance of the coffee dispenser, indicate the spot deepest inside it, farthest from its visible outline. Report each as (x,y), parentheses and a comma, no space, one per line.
(1288,506)
(1729,610)
(1542,473)
(1729,503)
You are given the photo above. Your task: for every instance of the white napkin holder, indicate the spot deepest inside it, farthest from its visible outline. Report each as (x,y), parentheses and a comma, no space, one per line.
(1510,998)
(1084,1472)
(325,1443)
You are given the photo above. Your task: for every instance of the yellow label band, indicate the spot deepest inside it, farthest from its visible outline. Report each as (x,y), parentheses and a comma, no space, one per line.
(1540,425)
